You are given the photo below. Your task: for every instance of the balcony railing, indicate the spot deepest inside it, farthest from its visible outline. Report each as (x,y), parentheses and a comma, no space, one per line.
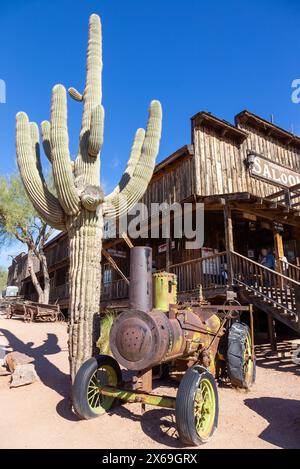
(210,272)
(115,290)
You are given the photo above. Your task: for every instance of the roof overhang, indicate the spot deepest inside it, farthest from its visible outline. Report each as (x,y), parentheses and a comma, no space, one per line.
(267,128)
(221,127)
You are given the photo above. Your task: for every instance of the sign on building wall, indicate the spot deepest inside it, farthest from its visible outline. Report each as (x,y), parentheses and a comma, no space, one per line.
(274,173)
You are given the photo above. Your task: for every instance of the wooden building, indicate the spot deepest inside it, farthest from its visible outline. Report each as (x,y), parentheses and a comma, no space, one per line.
(247,175)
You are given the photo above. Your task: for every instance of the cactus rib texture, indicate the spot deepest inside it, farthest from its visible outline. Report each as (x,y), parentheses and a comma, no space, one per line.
(80,202)
(45,203)
(61,161)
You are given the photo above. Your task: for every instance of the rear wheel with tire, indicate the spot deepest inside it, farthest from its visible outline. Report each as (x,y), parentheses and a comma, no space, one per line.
(88,401)
(197,406)
(241,365)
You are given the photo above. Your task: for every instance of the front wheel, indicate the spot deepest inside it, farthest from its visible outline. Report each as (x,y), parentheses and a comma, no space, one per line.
(87,400)
(197,406)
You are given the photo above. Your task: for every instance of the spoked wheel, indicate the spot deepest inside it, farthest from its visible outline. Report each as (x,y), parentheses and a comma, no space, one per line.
(197,406)
(9,312)
(241,364)
(87,399)
(28,315)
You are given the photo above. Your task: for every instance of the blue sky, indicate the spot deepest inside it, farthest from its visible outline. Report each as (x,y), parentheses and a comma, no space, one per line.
(193,55)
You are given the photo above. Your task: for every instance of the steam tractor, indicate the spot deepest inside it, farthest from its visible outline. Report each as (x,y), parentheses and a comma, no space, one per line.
(197,342)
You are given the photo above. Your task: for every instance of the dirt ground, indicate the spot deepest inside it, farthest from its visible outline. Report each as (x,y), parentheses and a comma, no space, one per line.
(39,415)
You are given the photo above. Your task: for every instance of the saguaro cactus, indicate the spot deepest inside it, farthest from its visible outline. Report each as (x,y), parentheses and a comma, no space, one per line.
(80,204)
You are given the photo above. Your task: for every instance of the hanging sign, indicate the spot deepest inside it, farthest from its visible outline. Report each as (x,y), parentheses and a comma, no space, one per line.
(274,173)
(278,227)
(163,247)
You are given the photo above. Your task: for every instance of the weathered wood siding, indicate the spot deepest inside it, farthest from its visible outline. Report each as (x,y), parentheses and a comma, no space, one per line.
(58,251)
(220,167)
(175,183)
(273,149)
(18,270)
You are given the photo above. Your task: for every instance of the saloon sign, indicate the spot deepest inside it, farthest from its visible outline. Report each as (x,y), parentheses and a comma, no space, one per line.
(274,173)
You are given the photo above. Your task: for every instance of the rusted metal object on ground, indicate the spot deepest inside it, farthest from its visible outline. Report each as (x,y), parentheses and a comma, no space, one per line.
(197,342)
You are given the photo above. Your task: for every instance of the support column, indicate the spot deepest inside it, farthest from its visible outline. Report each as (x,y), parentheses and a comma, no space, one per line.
(228,240)
(279,252)
(272,333)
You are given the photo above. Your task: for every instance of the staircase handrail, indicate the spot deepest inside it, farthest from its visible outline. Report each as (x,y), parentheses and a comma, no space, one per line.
(274,272)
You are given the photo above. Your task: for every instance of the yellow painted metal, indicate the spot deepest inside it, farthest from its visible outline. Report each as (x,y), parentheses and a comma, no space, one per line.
(164,290)
(135,396)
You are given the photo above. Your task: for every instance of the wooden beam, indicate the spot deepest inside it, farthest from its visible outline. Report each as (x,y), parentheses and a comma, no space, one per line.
(214,200)
(228,240)
(127,240)
(278,216)
(114,265)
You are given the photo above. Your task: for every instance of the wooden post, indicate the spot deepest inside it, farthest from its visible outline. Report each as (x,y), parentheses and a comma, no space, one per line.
(279,252)
(228,241)
(168,243)
(296,235)
(272,333)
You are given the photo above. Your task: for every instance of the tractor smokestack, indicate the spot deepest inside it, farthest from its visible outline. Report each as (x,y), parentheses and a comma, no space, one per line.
(140,295)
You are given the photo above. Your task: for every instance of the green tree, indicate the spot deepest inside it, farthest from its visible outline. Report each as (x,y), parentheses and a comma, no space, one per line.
(3,278)
(18,220)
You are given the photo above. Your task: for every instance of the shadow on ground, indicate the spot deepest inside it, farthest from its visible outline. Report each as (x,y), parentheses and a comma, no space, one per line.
(283,416)
(280,361)
(49,374)
(158,424)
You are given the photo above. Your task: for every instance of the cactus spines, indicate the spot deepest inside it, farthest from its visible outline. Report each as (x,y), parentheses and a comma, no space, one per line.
(80,203)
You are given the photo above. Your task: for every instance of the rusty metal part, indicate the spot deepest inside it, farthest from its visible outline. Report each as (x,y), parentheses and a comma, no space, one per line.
(136,396)
(142,337)
(140,340)
(140,295)
(205,358)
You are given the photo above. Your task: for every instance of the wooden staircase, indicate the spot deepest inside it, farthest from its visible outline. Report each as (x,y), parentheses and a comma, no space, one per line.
(273,292)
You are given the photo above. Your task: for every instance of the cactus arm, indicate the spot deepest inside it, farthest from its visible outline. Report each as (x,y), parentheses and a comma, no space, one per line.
(131,165)
(119,201)
(92,93)
(45,203)
(87,163)
(45,133)
(96,131)
(75,94)
(61,161)
(35,141)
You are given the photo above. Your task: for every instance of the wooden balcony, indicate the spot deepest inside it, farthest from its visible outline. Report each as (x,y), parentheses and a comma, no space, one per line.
(208,271)
(115,290)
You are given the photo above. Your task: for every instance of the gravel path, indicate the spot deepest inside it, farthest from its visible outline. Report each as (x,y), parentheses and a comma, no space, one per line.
(39,416)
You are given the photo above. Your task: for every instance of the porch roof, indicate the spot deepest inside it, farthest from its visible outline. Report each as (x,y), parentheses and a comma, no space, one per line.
(263,207)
